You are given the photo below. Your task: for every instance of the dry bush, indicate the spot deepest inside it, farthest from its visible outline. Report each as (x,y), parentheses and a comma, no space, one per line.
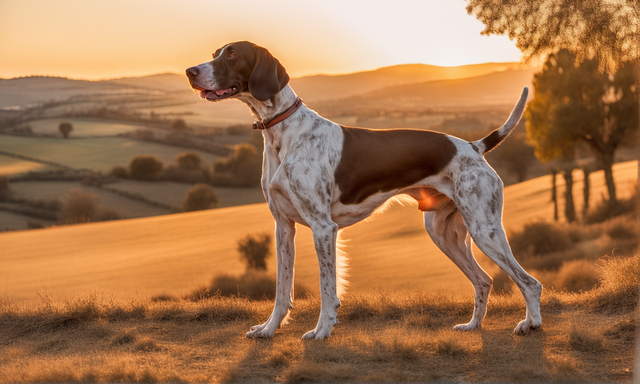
(127,336)
(618,286)
(119,172)
(79,207)
(539,238)
(145,167)
(255,250)
(146,344)
(577,275)
(552,261)
(200,197)
(253,285)
(621,228)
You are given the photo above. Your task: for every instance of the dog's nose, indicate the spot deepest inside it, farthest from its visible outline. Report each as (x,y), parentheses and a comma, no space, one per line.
(192,72)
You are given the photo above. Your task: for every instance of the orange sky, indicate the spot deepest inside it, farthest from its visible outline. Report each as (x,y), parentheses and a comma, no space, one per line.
(104,39)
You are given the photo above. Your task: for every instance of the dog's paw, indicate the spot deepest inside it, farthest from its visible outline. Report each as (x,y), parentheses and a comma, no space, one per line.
(526,326)
(466,327)
(260,332)
(314,334)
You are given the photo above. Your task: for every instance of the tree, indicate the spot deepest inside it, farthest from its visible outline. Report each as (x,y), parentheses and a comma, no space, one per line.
(200,197)
(254,250)
(575,104)
(65,128)
(178,125)
(145,167)
(602,29)
(189,161)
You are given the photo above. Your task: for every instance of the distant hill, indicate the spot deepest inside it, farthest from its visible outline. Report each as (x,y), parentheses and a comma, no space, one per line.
(21,92)
(490,89)
(324,87)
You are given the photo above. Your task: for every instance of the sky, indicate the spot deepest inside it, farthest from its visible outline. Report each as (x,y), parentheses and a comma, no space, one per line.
(92,39)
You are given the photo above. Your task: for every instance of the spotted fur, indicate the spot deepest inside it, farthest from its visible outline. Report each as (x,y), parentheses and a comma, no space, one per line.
(327,177)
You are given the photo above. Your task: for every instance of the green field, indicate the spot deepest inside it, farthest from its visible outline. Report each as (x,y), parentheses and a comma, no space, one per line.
(84,127)
(10,165)
(98,154)
(172,193)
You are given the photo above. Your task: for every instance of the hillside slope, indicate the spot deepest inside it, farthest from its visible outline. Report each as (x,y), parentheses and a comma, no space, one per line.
(177,253)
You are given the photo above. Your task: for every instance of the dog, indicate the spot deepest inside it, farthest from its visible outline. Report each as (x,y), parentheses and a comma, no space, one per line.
(327,177)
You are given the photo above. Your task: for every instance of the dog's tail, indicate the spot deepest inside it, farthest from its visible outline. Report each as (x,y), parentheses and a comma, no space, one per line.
(342,267)
(493,139)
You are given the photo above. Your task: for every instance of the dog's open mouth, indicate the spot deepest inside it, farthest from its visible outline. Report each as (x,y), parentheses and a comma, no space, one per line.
(219,94)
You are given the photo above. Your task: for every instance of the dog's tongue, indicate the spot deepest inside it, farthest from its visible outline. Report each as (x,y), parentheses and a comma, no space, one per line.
(222,91)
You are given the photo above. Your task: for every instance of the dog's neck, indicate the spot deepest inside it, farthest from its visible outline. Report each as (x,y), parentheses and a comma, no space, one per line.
(265,111)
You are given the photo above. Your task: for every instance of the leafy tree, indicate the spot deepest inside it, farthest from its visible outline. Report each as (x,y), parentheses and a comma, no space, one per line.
(575,104)
(65,128)
(242,169)
(145,167)
(254,250)
(200,197)
(189,161)
(605,29)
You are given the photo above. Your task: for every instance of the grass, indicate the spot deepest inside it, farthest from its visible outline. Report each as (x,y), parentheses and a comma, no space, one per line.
(98,154)
(381,337)
(83,127)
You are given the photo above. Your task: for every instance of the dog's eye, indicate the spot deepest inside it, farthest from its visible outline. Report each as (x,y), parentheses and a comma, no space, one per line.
(231,55)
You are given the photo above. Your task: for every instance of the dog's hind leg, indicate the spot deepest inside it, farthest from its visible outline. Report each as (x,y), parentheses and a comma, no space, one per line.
(479,198)
(448,232)
(285,248)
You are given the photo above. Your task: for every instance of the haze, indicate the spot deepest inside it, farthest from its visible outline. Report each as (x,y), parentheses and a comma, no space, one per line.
(96,40)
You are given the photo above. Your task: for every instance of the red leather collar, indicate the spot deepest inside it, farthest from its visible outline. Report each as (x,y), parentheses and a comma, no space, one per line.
(260,126)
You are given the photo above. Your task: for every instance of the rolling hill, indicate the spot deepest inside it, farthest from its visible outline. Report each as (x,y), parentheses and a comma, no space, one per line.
(177,253)
(21,92)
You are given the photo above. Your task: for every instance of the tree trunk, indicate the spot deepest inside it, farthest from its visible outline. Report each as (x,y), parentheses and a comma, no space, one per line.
(607,164)
(554,197)
(569,208)
(586,190)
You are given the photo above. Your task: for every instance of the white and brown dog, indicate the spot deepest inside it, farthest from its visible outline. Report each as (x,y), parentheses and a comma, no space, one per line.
(328,177)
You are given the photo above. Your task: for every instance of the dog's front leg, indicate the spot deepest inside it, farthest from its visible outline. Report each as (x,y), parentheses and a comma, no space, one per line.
(324,237)
(285,249)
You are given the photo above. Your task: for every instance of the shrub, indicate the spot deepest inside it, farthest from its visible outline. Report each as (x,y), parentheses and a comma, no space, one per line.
(145,167)
(181,175)
(621,229)
(254,285)
(189,161)
(577,275)
(79,207)
(178,125)
(618,288)
(200,197)
(242,169)
(109,214)
(5,192)
(119,171)
(539,238)
(254,250)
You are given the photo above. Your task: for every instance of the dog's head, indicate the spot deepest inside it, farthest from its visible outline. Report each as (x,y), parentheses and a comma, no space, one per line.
(236,68)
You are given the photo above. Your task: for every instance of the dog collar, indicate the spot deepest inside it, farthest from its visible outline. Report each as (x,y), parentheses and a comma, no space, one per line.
(260,125)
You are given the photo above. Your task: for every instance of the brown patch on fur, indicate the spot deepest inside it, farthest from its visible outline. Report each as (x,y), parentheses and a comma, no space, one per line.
(383,160)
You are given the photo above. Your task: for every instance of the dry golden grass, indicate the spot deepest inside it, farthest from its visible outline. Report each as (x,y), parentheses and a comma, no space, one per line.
(381,337)
(177,253)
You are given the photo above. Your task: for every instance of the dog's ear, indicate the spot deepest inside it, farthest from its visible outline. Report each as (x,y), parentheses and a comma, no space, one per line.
(268,76)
